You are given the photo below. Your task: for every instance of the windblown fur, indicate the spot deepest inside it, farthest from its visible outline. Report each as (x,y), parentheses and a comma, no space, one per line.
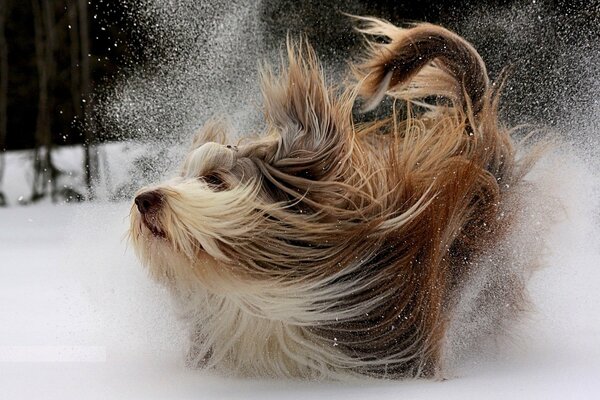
(326,248)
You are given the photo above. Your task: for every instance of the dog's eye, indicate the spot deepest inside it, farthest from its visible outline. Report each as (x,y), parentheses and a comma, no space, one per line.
(214,181)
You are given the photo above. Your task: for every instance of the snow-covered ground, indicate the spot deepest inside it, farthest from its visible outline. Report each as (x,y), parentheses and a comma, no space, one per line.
(79,318)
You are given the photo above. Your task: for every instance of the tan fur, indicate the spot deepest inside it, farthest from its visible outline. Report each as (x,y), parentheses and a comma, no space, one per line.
(329,249)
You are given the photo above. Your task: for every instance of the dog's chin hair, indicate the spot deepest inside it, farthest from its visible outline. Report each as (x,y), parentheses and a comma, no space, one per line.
(329,249)
(258,346)
(193,219)
(273,333)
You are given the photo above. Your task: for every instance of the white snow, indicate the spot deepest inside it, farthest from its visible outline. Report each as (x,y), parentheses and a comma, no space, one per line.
(79,318)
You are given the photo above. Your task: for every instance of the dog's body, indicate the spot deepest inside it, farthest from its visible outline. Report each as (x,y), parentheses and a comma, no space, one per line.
(329,249)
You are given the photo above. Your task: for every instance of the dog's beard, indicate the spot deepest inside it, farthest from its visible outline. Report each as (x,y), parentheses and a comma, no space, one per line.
(185,241)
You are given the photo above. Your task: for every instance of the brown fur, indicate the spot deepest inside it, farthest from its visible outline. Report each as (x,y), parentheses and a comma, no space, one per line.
(364,232)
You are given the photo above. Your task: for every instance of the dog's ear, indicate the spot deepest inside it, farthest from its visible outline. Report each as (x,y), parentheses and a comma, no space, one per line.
(208,150)
(309,123)
(214,130)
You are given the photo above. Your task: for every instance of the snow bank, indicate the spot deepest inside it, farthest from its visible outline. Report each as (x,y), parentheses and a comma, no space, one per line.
(80,318)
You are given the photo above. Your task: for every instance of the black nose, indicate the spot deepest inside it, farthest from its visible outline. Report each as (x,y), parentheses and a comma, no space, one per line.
(149,201)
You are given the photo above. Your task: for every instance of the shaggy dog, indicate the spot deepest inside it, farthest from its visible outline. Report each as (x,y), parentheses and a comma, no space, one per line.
(331,248)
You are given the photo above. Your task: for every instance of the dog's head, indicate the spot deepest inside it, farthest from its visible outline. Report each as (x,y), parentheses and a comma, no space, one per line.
(263,207)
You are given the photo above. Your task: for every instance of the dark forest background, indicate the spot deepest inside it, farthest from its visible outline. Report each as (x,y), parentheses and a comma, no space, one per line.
(57,56)
(54,56)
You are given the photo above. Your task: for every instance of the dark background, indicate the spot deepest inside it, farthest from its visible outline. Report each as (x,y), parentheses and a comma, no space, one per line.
(543,42)
(565,24)
(109,23)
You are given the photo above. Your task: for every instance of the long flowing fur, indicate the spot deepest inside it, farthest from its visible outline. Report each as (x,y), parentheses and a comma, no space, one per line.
(329,249)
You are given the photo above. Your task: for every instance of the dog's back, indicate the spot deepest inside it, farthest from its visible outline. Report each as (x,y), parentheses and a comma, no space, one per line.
(449,147)
(442,185)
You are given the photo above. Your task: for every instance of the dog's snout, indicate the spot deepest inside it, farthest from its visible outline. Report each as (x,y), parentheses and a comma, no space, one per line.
(148,202)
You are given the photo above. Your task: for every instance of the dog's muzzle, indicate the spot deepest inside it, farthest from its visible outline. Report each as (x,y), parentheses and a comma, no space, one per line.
(149,205)
(149,202)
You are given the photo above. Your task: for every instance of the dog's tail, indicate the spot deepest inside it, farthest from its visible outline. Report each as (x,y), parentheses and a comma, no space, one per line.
(421,61)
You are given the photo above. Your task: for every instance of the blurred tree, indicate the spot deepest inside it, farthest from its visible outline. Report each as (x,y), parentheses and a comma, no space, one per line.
(81,87)
(3,91)
(45,173)
(75,57)
(90,163)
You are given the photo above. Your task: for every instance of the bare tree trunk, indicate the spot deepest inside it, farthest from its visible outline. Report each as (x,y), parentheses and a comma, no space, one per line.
(75,58)
(41,126)
(44,171)
(90,151)
(49,27)
(3,92)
